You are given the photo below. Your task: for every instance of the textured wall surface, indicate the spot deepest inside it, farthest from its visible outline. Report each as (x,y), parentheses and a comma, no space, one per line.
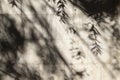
(59,40)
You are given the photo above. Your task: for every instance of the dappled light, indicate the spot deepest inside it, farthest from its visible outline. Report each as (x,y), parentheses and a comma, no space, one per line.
(59,39)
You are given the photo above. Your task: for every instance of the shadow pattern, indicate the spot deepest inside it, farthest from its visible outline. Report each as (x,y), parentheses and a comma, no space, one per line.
(12,40)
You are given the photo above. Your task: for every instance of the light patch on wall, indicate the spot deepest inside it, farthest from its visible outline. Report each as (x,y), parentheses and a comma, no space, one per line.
(30,56)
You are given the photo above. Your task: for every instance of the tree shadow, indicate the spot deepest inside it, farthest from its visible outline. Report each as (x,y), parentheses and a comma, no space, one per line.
(100,10)
(97,8)
(14,41)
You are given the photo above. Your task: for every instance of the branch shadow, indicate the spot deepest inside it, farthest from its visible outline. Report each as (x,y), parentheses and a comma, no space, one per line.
(12,42)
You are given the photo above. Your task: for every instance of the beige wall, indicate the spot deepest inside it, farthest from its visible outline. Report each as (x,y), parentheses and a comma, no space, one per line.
(52,34)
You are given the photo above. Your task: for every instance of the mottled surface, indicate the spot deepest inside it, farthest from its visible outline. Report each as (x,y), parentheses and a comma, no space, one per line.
(38,42)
